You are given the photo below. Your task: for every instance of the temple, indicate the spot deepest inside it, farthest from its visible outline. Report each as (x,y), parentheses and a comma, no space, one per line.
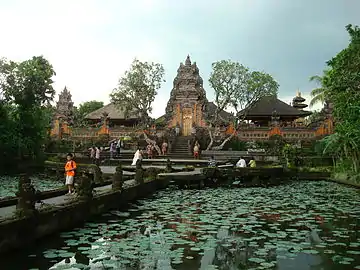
(188,107)
(117,117)
(187,104)
(266,110)
(65,106)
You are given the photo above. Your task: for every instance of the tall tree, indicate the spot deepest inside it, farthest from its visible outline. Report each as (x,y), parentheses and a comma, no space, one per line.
(319,95)
(343,84)
(27,90)
(237,87)
(138,87)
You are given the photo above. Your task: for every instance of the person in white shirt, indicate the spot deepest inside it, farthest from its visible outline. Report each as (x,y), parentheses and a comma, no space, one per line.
(241,163)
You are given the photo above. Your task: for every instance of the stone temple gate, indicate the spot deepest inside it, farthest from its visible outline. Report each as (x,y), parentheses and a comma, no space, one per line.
(187,104)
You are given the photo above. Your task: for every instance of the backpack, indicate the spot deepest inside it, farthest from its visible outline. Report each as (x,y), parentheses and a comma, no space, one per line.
(72,166)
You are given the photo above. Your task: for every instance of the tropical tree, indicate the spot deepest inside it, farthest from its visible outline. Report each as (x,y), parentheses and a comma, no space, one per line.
(343,84)
(26,91)
(138,87)
(318,95)
(236,87)
(137,90)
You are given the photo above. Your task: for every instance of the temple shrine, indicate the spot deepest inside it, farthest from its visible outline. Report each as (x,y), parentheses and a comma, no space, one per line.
(187,104)
(188,107)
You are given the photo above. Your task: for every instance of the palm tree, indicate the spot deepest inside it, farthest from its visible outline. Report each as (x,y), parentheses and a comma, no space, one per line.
(318,95)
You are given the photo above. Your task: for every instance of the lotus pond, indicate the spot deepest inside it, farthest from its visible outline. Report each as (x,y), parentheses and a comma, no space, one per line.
(9,184)
(305,225)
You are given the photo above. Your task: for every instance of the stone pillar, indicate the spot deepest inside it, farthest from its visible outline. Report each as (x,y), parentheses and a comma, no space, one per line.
(26,197)
(168,168)
(117,181)
(85,189)
(139,173)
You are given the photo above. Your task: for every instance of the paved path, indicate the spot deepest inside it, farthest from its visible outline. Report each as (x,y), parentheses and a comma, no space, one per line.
(111,169)
(9,211)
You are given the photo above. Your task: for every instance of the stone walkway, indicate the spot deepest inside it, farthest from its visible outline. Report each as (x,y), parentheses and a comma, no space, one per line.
(9,211)
(111,169)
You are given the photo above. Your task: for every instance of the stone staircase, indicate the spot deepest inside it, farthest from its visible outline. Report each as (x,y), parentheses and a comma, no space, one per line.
(180,148)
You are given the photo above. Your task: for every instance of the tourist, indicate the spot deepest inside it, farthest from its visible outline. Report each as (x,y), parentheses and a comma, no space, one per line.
(118,147)
(70,168)
(97,155)
(212,162)
(150,150)
(164,148)
(196,150)
(92,154)
(241,163)
(177,130)
(193,130)
(112,149)
(252,163)
(137,156)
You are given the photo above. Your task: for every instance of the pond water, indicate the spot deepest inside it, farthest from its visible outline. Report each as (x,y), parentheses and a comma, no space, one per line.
(9,184)
(305,225)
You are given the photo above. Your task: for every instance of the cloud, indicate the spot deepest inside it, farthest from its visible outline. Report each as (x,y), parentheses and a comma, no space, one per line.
(91,43)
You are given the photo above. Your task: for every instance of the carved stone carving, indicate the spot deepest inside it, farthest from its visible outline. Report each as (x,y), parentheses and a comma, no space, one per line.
(85,188)
(187,92)
(26,197)
(117,182)
(65,106)
(139,173)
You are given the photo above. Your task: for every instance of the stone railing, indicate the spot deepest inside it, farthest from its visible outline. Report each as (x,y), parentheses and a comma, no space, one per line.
(264,133)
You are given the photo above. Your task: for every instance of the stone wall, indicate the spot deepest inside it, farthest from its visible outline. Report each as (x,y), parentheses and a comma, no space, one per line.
(20,232)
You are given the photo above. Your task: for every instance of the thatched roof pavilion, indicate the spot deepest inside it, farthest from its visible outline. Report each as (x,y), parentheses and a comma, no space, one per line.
(116,115)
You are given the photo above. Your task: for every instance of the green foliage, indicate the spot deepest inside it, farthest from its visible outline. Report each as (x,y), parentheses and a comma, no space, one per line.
(84,109)
(320,94)
(343,87)
(291,154)
(26,91)
(273,146)
(138,87)
(236,86)
(236,145)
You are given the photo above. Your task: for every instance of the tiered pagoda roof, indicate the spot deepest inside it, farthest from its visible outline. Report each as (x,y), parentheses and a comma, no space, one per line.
(114,113)
(298,102)
(266,106)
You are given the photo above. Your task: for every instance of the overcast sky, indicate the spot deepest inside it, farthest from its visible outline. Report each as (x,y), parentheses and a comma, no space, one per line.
(91,43)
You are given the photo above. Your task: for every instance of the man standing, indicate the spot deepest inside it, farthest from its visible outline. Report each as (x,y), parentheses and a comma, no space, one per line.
(97,156)
(70,168)
(241,163)
(177,130)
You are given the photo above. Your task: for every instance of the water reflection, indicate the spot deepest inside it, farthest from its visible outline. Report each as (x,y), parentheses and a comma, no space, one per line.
(299,226)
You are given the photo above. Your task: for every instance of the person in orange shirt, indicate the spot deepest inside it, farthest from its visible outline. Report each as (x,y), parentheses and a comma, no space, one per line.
(70,168)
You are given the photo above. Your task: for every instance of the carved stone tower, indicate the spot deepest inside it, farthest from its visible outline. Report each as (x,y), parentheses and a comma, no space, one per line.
(298,103)
(187,104)
(65,106)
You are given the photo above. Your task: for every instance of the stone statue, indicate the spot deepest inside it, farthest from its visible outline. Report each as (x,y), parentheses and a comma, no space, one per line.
(26,197)
(139,172)
(117,183)
(168,168)
(85,189)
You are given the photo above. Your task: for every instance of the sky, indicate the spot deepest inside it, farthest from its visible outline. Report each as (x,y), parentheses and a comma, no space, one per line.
(91,43)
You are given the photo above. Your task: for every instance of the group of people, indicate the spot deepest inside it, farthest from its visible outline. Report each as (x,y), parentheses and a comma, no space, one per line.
(242,163)
(150,151)
(95,155)
(115,147)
